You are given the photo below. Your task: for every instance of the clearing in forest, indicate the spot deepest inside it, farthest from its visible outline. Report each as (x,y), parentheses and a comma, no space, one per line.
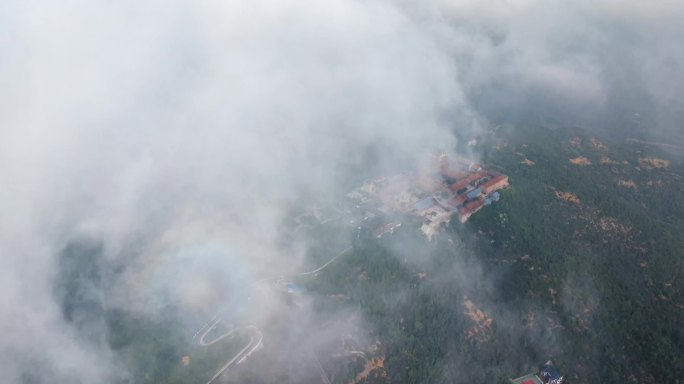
(482,329)
(605,160)
(598,144)
(581,161)
(627,184)
(653,162)
(568,196)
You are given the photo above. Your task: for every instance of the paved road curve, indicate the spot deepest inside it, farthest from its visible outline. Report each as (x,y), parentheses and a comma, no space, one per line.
(326,264)
(255,335)
(255,342)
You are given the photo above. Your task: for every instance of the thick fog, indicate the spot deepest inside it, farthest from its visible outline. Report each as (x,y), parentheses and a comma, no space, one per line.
(614,66)
(179,134)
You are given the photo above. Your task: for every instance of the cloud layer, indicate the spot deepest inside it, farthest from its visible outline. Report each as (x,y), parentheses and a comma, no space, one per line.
(158,126)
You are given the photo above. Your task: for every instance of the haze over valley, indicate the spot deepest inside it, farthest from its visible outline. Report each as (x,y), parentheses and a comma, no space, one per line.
(341,191)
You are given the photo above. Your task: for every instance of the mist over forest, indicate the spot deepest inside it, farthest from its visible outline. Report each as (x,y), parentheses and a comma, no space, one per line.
(174,169)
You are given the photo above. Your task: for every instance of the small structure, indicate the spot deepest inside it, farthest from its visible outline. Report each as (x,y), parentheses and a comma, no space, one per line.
(527,379)
(289,287)
(294,288)
(548,374)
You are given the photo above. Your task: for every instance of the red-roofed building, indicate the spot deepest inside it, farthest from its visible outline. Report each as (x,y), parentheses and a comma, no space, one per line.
(474,205)
(465,182)
(458,200)
(497,182)
(459,185)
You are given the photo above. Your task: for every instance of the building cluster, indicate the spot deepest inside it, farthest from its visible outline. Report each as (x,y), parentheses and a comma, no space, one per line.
(460,187)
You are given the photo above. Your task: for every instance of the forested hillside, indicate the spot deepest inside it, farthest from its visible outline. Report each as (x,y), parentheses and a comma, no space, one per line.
(581,261)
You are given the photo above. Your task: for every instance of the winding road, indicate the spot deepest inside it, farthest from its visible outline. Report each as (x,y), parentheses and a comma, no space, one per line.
(326,264)
(255,342)
(255,335)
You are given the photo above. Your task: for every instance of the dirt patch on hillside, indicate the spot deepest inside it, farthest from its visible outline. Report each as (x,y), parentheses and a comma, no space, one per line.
(653,162)
(605,160)
(374,365)
(554,295)
(576,142)
(482,329)
(568,196)
(613,226)
(598,144)
(627,184)
(581,161)
(377,363)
